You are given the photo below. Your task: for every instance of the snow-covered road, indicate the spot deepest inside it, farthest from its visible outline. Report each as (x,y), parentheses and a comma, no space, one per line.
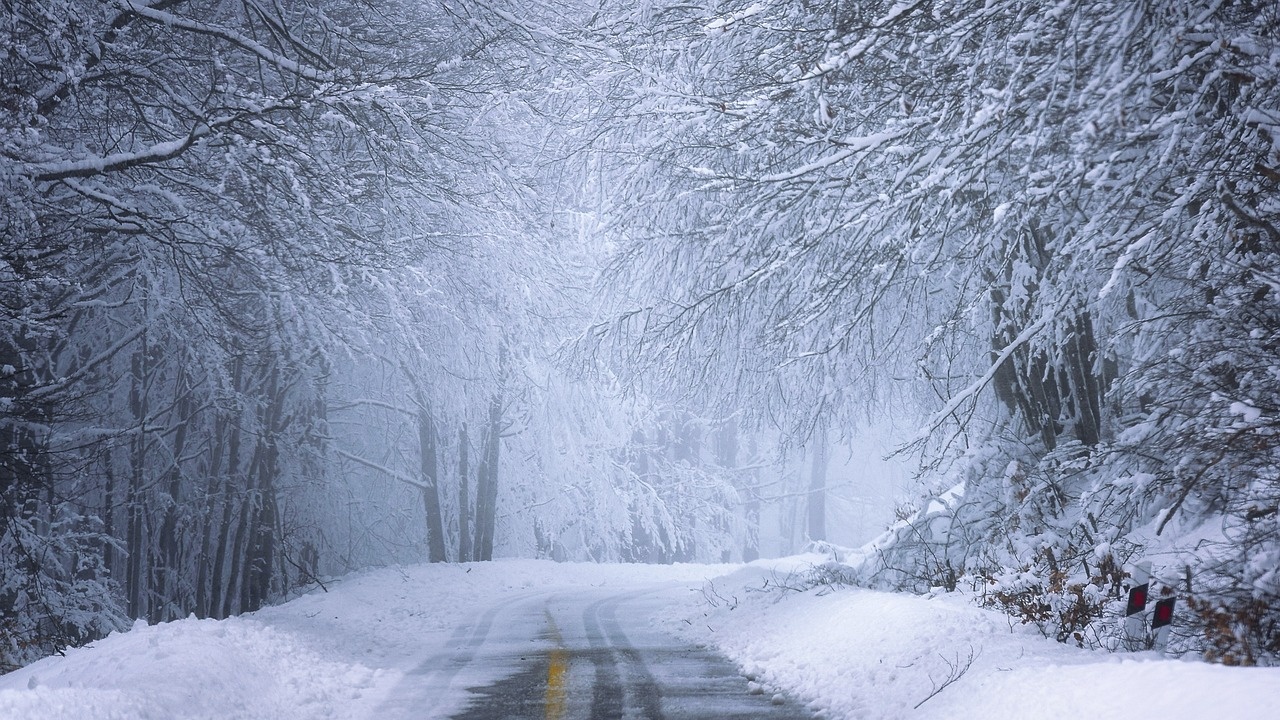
(526,639)
(585,654)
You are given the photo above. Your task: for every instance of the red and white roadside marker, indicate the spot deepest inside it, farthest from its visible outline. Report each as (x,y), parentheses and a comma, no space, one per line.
(1135,634)
(1162,621)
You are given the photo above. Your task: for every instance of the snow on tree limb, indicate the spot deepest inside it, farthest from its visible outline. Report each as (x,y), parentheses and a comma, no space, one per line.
(383,469)
(954,402)
(264,53)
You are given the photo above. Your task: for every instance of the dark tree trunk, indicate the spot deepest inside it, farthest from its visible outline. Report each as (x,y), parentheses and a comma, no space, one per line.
(134,578)
(260,555)
(216,491)
(109,513)
(236,592)
(217,586)
(166,582)
(429,472)
(487,475)
(1049,391)
(487,483)
(1086,386)
(238,544)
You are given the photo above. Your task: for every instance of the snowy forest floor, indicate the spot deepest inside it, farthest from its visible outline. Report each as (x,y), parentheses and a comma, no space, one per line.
(846,653)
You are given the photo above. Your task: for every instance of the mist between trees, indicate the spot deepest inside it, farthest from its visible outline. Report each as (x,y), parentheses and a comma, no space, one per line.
(294,288)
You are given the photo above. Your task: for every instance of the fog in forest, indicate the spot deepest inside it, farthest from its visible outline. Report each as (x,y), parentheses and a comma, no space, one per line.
(288,290)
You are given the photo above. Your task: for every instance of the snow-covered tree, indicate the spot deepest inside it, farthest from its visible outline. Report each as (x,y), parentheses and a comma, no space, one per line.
(186,187)
(1023,204)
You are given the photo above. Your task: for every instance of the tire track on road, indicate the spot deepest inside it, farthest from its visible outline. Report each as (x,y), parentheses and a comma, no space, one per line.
(606,691)
(612,651)
(439,670)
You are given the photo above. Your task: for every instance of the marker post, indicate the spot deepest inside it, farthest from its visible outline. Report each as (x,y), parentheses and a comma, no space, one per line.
(1162,622)
(1135,635)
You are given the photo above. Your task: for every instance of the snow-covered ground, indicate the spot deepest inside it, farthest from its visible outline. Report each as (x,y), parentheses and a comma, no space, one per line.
(849,654)
(862,654)
(336,654)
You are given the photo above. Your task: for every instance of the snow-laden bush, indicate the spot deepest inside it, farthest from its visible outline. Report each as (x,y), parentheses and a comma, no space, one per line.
(1049,541)
(1022,536)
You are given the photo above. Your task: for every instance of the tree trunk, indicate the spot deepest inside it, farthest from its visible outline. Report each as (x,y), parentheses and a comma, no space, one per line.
(217,586)
(1086,387)
(464,497)
(165,581)
(108,513)
(135,594)
(751,539)
(726,442)
(260,555)
(235,592)
(235,596)
(215,490)
(487,483)
(427,442)
(487,476)
(818,487)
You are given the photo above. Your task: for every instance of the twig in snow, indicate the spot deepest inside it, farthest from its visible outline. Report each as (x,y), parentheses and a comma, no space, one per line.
(955,671)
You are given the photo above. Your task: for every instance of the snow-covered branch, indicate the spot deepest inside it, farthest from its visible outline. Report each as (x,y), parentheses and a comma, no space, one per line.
(240,40)
(382,469)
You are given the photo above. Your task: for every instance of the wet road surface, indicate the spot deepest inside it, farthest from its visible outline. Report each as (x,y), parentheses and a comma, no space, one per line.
(585,655)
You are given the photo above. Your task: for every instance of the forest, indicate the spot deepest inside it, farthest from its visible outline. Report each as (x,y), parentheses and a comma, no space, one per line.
(290,288)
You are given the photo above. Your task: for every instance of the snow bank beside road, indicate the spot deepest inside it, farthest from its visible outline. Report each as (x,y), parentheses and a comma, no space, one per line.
(862,654)
(238,668)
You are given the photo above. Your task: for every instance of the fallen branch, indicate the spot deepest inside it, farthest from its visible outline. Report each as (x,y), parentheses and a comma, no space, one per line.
(955,671)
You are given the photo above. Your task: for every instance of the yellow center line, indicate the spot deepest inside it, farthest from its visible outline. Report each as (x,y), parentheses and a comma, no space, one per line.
(557,675)
(557,691)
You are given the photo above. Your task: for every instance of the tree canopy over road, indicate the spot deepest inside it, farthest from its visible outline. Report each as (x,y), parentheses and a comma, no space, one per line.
(289,289)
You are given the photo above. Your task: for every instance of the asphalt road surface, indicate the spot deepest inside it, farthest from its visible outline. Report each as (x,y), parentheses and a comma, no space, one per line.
(585,655)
